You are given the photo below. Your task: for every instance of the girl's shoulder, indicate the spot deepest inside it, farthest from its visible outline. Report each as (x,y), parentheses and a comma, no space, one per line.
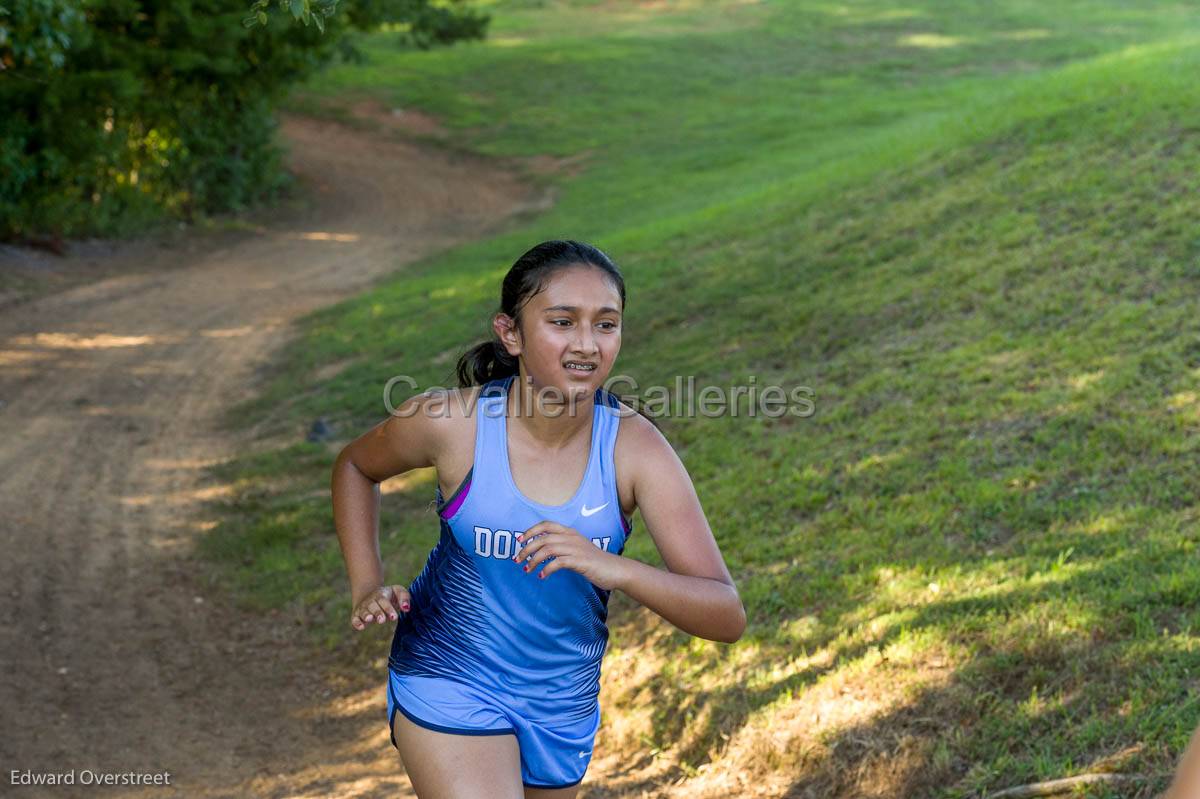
(454,412)
(637,438)
(454,408)
(636,430)
(457,399)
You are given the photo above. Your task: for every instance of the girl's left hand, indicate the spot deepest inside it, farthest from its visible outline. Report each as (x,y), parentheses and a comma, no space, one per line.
(570,550)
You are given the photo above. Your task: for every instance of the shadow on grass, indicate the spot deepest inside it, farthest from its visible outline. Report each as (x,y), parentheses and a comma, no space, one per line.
(1063,676)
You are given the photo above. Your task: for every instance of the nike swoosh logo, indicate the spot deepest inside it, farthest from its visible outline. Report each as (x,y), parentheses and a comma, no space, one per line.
(586,511)
(585,754)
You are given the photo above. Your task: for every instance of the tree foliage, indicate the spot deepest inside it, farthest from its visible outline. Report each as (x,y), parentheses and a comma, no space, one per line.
(120,113)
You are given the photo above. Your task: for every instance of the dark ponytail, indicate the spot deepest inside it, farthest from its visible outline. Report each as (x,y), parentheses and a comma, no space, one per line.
(485,361)
(529,275)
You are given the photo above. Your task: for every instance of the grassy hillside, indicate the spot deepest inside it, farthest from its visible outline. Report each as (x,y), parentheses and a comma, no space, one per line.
(971,232)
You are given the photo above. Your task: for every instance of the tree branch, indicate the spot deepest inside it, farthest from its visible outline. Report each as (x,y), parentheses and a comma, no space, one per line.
(1055,787)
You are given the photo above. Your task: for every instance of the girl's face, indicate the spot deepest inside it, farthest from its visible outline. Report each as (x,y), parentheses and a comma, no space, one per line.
(575,319)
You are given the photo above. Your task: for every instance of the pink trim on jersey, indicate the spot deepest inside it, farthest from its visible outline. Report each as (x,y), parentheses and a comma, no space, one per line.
(453,507)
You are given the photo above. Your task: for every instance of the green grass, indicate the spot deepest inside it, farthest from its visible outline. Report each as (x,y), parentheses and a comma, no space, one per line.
(969,229)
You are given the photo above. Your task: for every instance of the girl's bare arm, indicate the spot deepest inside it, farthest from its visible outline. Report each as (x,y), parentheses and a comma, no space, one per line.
(406,440)
(696,593)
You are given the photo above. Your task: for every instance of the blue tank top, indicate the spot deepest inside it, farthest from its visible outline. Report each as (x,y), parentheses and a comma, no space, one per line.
(478,616)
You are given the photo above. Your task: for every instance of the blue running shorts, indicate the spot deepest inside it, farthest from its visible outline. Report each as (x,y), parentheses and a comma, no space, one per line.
(552,755)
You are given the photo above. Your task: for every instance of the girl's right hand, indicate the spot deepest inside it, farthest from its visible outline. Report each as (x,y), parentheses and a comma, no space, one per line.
(379,605)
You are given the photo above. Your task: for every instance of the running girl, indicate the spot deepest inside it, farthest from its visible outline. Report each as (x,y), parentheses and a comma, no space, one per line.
(494,673)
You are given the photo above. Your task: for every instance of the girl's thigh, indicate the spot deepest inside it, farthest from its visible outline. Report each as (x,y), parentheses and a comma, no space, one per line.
(442,765)
(551,793)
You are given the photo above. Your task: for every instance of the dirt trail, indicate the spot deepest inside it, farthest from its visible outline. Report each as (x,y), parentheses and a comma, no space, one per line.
(112,659)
